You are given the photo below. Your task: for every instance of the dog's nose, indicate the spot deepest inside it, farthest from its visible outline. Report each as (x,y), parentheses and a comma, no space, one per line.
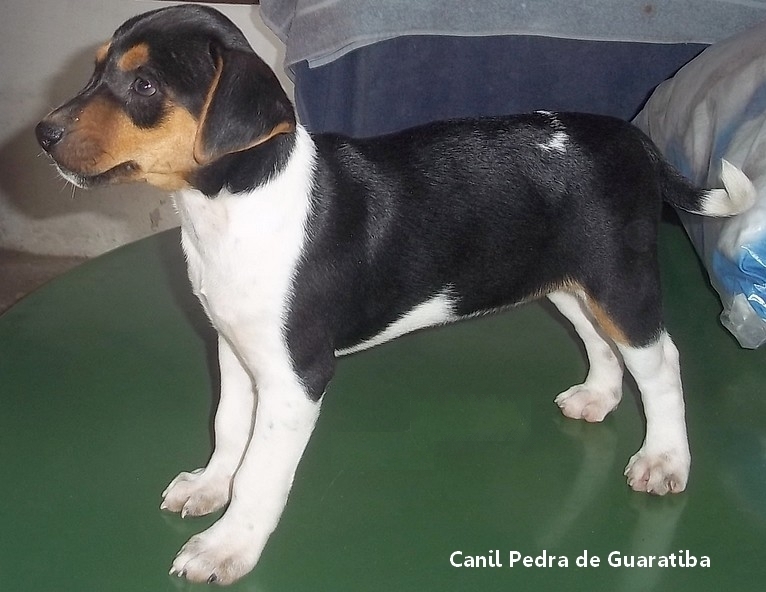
(48,134)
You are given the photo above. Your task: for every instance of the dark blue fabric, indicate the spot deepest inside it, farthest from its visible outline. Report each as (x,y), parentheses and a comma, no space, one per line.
(407,81)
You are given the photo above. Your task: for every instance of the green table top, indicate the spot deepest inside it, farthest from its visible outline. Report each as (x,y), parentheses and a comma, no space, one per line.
(443,441)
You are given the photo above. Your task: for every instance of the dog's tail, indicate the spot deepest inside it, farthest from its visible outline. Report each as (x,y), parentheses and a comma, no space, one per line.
(738,193)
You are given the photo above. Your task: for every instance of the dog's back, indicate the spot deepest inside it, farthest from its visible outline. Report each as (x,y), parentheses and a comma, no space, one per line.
(543,200)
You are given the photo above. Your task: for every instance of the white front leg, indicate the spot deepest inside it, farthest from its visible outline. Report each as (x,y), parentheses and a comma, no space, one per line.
(285,419)
(206,490)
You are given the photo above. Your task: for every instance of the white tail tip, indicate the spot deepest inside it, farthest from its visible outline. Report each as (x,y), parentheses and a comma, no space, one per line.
(738,195)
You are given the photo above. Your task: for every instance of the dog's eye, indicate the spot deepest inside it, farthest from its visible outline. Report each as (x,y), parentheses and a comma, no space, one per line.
(144,87)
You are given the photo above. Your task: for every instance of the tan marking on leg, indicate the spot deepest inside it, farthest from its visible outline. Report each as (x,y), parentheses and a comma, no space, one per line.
(601,316)
(605,321)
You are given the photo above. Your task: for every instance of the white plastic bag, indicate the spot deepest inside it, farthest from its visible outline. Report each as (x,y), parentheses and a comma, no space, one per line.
(714,108)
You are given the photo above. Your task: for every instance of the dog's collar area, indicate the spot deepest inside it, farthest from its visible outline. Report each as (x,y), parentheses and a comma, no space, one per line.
(242,172)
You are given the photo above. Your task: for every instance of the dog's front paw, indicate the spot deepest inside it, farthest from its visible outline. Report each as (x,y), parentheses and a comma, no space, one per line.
(219,555)
(658,473)
(588,402)
(197,493)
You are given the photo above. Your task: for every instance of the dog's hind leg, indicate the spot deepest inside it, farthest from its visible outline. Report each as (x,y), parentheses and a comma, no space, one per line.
(602,390)
(206,490)
(662,464)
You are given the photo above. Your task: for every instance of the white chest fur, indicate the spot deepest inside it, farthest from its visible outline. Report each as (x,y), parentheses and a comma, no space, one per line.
(242,249)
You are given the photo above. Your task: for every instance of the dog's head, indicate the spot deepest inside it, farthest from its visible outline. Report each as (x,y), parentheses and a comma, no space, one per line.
(174,91)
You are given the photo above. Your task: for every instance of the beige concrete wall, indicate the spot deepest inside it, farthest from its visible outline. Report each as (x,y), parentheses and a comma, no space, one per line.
(46,55)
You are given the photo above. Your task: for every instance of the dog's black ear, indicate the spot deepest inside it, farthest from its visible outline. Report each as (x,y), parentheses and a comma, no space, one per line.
(245,106)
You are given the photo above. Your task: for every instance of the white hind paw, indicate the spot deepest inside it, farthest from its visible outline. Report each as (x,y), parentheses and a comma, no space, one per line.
(658,474)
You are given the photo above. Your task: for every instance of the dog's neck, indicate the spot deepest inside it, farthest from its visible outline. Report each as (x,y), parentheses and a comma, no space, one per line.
(260,224)
(243,172)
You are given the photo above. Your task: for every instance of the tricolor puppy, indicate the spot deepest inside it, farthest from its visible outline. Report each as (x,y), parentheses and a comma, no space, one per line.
(303,248)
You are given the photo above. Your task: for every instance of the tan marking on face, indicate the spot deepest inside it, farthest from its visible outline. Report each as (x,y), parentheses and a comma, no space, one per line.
(200,154)
(102,51)
(105,137)
(136,56)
